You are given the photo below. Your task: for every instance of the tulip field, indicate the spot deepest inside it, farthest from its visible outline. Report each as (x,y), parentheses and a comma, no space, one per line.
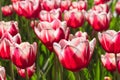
(59,39)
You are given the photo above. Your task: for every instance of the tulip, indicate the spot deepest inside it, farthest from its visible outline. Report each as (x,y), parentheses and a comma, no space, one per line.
(7,10)
(98,20)
(101,7)
(100,1)
(75,53)
(48,4)
(65,4)
(11,27)
(49,32)
(117,7)
(6,42)
(74,18)
(110,41)
(80,5)
(23,55)
(50,15)
(27,8)
(109,62)
(30,71)
(2,73)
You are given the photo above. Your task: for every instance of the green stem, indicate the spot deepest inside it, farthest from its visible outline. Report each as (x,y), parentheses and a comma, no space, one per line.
(0,10)
(77,76)
(27,77)
(11,70)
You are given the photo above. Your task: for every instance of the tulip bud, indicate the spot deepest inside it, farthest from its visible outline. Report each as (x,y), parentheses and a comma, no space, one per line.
(117,7)
(108,61)
(65,4)
(30,71)
(7,10)
(100,1)
(2,73)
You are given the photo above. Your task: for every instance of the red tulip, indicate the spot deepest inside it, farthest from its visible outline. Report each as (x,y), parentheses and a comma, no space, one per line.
(50,15)
(49,32)
(7,10)
(6,41)
(65,4)
(48,4)
(27,8)
(110,41)
(100,1)
(30,71)
(101,7)
(108,61)
(98,20)
(117,7)
(2,73)
(75,53)
(80,5)
(24,54)
(74,18)
(11,27)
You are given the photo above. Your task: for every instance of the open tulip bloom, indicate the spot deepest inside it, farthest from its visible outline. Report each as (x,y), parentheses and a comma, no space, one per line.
(49,32)
(75,53)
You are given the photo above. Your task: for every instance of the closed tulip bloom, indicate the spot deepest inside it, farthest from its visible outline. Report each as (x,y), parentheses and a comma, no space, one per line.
(2,73)
(74,18)
(75,53)
(48,4)
(65,4)
(50,15)
(98,20)
(101,7)
(49,32)
(30,71)
(100,1)
(11,27)
(109,62)
(27,8)
(110,41)
(24,54)
(6,42)
(117,7)
(7,10)
(80,5)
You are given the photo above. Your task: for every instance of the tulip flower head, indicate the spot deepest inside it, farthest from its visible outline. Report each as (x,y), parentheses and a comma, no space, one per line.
(7,10)
(117,7)
(49,32)
(96,2)
(110,41)
(109,62)
(80,5)
(24,55)
(65,4)
(6,42)
(2,73)
(98,20)
(75,53)
(30,71)
(50,15)
(74,18)
(11,27)
(27,8)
